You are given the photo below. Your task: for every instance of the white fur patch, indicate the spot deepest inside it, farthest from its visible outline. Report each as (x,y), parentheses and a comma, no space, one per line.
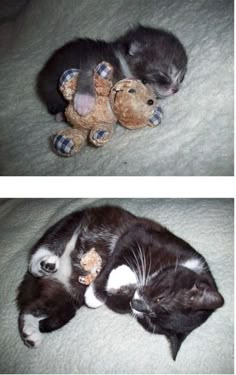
(120,276)
(64,271)
(124,66)
(42,254)
(32,335)
(90,298)
(136,295)
(193,264)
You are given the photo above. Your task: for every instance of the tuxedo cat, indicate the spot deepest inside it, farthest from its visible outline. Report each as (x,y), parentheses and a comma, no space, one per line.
(154,56)
(146,271)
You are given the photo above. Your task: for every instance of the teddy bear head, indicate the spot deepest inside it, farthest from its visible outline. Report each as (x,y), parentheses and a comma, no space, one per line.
(135,104)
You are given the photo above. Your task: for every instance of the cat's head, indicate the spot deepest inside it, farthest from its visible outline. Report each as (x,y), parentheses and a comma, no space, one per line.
(158,58)
(174,302)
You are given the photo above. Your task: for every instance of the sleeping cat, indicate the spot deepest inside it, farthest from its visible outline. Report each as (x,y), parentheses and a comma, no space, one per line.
(155,56)
(146,271)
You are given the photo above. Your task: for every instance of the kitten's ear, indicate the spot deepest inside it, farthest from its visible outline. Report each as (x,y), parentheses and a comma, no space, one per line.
(205,297)
(134,48)
(175,343)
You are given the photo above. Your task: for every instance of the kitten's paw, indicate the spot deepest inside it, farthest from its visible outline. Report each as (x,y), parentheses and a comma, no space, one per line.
(43,262)
(83,103)
(120,277)
(30,334)
(59,117)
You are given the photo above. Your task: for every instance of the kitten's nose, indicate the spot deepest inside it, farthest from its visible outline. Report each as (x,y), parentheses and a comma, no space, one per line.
(174,90)
(139,305)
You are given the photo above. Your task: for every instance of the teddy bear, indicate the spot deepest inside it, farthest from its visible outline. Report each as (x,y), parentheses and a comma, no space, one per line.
(129,102)
(91,264)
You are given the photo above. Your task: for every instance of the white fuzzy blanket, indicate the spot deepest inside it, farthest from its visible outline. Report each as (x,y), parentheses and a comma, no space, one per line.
(196,136)
(101,341)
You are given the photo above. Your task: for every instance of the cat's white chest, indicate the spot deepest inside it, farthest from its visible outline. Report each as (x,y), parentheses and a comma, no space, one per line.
(119,277)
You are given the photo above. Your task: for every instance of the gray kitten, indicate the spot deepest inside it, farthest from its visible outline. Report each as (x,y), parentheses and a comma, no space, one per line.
(155,56)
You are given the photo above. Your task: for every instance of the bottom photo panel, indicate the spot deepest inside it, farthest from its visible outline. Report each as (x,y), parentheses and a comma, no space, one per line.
(117,286)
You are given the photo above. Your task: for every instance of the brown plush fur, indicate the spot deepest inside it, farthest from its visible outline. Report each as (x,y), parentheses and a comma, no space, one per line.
(133,103)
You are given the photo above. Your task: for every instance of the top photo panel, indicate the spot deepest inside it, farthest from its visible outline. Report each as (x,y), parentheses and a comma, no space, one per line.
(117,88)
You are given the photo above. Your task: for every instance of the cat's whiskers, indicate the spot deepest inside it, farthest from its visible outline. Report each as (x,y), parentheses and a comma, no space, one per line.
(176,264)
(149,268)
(142,263)
(138,271)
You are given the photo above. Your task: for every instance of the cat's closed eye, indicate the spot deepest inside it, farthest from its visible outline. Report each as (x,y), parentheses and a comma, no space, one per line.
(160,298)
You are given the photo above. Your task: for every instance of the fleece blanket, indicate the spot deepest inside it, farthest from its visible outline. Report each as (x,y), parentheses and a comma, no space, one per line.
(196,136)
(101,341)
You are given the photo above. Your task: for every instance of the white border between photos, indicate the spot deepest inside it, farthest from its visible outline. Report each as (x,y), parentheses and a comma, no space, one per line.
(118,187)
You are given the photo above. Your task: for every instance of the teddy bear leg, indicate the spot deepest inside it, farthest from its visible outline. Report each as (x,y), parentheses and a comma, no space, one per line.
(69,142)
(101,134)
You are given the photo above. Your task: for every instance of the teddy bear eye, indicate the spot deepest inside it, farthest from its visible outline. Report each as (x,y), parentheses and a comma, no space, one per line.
(150,102)
(131,91)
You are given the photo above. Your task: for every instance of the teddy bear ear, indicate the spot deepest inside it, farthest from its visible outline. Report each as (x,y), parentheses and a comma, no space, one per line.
(156,117)
(104,70)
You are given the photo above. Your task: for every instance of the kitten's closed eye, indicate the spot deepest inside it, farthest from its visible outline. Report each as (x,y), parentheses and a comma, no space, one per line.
(163,79)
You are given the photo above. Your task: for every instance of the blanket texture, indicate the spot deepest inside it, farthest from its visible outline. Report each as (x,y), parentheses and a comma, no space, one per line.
(101,341)
(196,136)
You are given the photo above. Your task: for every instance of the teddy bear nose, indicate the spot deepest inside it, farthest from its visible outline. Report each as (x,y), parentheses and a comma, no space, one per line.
(150,102)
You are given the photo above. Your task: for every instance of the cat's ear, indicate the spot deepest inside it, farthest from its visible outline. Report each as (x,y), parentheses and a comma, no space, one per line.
(205,297)
(134,48)
(175,343)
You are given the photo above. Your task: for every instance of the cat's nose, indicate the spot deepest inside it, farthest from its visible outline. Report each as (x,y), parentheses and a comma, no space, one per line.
(139,305)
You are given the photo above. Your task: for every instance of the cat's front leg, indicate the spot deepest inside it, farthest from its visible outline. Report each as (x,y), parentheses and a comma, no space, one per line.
(43,262)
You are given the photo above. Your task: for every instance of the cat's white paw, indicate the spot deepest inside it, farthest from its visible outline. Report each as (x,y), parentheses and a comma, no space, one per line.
(83,103)
(119,277)
(43,262)
(31,335)
(90,298)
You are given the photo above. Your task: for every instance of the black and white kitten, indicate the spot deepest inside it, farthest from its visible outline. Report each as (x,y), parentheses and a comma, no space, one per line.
(154,56)
(146,271)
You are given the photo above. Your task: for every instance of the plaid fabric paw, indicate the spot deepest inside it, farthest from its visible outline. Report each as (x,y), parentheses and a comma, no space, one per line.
(100,134)
(157,116)
(68,75)
(63,145)
(104,70)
